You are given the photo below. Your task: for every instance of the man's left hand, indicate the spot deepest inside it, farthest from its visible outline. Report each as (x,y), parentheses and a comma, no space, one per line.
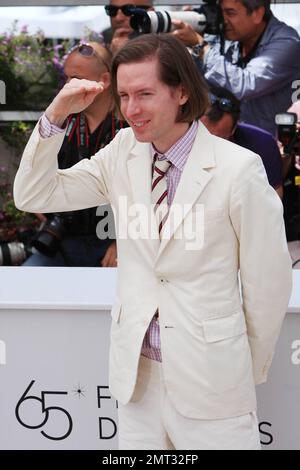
(120,38)
(186,33)
(110,257)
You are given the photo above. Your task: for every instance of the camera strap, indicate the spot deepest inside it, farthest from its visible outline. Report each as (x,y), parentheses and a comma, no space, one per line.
(83,140)
(71,126)
(106,131)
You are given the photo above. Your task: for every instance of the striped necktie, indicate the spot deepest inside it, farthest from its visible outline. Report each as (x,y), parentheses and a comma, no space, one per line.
(159,191)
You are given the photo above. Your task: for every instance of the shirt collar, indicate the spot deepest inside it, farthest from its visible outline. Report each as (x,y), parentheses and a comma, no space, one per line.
(179,151)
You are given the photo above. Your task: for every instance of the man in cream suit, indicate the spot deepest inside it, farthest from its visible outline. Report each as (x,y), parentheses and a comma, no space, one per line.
(186,351)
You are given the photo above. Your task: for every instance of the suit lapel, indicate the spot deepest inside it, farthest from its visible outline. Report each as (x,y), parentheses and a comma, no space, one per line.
(193,181)
(139,169)
(140,175)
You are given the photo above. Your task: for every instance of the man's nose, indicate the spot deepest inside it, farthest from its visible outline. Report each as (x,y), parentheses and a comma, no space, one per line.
(133,108)
(120,17)
(225,19)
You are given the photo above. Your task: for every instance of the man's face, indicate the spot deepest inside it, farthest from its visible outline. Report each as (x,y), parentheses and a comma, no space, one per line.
(121,20)
(223,128)
(149,105)
(239,25)
(80,67)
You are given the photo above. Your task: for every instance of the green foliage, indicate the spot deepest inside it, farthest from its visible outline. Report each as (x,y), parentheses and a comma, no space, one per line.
(12,221)
(16,134)
(31,68)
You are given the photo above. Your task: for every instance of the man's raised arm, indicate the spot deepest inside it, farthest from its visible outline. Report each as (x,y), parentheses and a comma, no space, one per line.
(39,185)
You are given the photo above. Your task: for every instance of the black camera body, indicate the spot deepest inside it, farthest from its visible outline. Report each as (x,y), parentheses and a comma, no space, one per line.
(213,17)
(205,19)
(289,135)
(288,131)
(52,233)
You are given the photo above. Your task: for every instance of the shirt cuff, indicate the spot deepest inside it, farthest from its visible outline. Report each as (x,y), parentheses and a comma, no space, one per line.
(47,129)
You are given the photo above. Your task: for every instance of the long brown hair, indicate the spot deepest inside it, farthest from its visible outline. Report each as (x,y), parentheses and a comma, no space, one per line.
(176,67)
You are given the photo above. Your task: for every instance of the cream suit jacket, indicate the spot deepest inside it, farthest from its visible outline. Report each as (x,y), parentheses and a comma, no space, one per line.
(214,345)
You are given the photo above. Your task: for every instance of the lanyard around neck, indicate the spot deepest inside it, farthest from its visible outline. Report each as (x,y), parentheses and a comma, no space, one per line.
(106,131)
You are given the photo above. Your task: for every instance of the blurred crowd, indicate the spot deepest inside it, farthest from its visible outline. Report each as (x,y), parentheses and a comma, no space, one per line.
(250,61)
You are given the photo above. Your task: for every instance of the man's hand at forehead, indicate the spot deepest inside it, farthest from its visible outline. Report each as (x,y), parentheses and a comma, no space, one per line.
(74,97)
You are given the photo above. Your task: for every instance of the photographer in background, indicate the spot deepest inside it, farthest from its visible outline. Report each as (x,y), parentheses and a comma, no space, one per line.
(288,157)
(119,12)
(258,67)
(222,120)
(289,143)
(69,238)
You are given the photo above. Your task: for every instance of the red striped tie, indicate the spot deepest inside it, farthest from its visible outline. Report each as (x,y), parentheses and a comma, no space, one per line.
(159,191)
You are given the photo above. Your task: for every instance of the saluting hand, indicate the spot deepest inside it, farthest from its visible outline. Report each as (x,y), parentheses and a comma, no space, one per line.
(74,97)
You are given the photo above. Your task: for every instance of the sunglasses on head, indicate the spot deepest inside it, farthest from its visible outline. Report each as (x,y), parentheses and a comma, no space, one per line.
(127,10)
(86,50)
(225,104)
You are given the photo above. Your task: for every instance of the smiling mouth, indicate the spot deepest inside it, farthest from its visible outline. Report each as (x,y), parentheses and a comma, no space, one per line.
(139,124)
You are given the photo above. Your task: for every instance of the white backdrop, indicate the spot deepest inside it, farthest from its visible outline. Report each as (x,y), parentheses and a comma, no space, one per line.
(56,22)
(54,340)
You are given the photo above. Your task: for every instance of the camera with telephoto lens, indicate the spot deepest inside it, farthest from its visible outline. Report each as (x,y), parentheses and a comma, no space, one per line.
(205,19)
(52,233)
(13,253)
(288,132)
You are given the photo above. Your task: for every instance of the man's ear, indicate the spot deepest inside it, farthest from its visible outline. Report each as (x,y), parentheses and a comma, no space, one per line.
(184,96)
(258,14)
(106,79)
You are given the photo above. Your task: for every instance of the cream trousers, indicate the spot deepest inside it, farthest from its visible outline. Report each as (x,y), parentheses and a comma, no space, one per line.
(150,421)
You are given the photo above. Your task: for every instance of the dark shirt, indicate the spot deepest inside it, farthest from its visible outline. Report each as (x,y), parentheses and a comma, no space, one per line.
(107,35)
(263,143)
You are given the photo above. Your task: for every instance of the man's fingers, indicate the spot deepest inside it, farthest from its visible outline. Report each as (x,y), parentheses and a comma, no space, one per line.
(104,262)
(81,86)
(110,258)
(120,32)
(86,90)
(108,261)
(179,24)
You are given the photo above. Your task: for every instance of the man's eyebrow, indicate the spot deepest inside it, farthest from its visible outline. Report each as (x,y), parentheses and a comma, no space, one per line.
(137,91)
(228,10)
